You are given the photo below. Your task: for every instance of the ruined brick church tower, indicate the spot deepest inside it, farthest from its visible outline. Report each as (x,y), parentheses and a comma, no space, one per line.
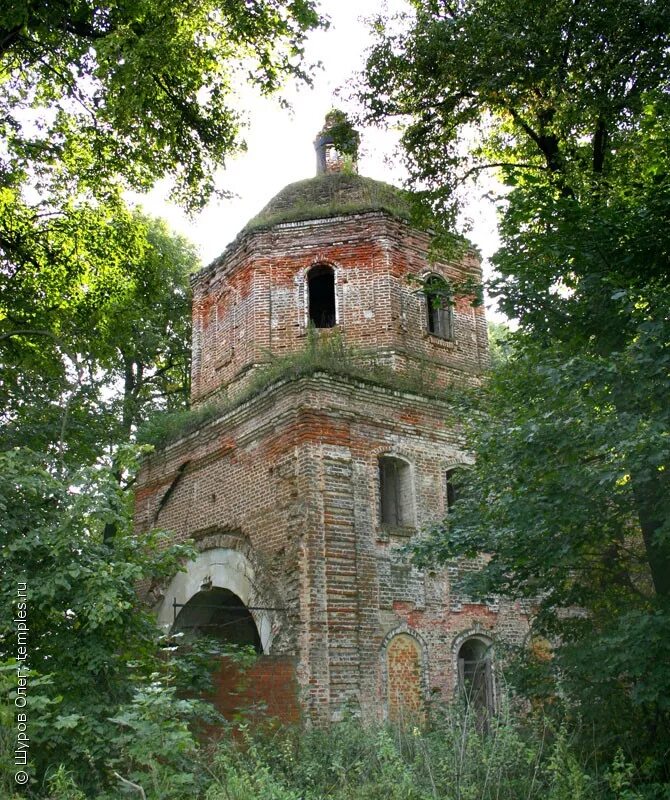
(301,490)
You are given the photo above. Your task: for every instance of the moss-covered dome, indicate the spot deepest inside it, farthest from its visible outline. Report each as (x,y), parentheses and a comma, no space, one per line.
(331,195)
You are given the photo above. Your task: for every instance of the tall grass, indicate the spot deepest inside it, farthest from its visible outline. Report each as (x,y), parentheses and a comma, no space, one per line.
(454,758)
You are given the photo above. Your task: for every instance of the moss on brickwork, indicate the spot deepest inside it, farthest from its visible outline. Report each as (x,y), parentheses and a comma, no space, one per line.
(330,196)
(321,354)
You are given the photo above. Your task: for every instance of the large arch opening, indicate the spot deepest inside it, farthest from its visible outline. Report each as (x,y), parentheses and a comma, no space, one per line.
(219,614)
(212,572)
(321,296)
(218,595)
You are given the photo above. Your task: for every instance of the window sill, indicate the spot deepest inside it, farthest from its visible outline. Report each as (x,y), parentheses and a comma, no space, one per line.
(386,533)
(438,341)
(320,331)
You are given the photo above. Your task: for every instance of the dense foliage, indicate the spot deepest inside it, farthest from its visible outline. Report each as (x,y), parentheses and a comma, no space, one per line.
(452,759)
(89,638)
(102,680)
(95,331)
(569,105)
(96,98)
(94,92)
(570,494)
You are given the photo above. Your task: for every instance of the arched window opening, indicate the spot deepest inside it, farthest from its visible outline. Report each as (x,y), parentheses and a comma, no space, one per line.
(321,296)
(475,675)
(219,614)
(440,307)
(334,160)
(396,497)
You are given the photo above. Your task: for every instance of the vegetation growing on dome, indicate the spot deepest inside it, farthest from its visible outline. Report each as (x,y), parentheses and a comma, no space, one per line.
(345,138)
(331,195)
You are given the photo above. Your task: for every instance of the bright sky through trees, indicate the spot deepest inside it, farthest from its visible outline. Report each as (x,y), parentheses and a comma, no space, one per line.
(279,142)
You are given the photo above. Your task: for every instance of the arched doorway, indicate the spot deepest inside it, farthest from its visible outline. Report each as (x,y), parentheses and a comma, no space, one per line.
(220,595)
(219,614)
(225,579)
(475,674)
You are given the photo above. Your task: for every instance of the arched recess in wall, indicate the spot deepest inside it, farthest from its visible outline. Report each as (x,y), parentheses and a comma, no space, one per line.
(321,303)
(223,579)
(396,491)
(405,674)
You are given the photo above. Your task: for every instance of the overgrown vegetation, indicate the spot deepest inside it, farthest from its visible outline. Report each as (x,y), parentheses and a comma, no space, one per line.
(153,756)
(570,493)
(100,678)
(323,352)
(331,195)
(95,99)
(100,94)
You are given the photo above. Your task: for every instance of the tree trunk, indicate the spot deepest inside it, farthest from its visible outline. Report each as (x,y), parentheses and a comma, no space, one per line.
(649,497)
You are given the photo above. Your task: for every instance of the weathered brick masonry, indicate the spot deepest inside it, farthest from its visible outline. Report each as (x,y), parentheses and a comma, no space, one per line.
(283,491)
(252,301)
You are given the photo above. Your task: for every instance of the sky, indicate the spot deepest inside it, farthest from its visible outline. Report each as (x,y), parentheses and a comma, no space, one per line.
(280,143)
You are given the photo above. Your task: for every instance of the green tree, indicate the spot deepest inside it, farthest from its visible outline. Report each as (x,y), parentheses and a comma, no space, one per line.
(143,90)
(94,327)
(568,103)
(500,343)
(96,98)
(87,629)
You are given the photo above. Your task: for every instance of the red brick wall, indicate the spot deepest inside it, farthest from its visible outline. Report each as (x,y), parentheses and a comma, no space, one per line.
(252,301)
(291,476)
(267,690)
(405,699)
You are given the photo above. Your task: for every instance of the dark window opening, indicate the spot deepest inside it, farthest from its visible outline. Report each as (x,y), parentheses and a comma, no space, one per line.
(395,492)
(219,614)
(321,293)
(454,482)
(440,308)
(475,675)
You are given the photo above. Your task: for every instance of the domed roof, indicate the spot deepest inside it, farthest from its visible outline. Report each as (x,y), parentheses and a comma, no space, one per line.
(331,195)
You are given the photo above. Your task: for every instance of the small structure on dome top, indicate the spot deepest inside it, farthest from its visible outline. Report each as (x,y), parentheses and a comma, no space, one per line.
(337,145)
